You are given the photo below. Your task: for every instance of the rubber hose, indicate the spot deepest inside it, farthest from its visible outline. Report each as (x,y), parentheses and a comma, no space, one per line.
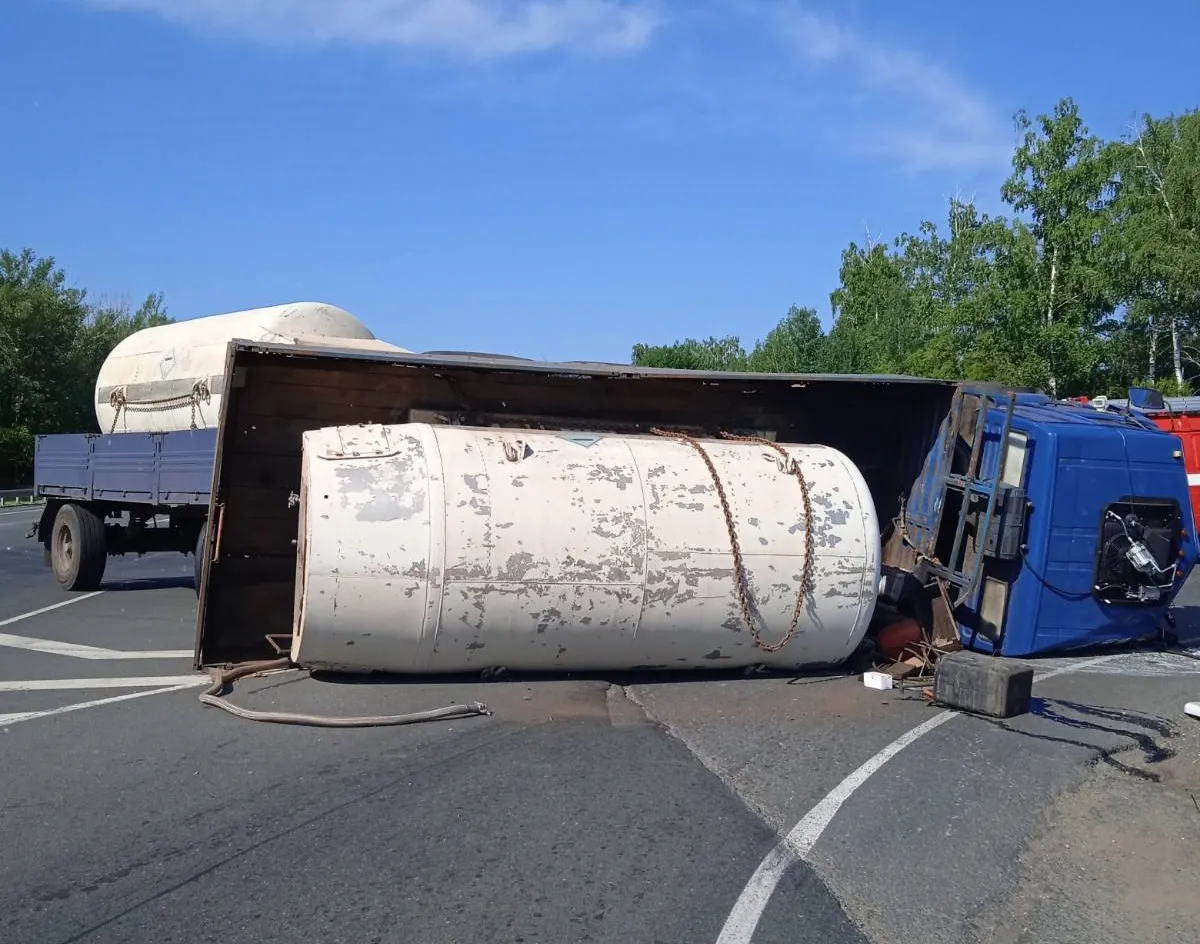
(212,696)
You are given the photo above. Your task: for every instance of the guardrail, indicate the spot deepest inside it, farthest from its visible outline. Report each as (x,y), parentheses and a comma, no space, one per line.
(18,496)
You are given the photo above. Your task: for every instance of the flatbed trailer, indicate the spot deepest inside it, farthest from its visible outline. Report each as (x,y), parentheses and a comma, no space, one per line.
(121,493)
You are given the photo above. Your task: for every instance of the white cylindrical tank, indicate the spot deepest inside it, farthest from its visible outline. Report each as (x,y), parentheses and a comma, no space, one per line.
(171,377)
(428,548)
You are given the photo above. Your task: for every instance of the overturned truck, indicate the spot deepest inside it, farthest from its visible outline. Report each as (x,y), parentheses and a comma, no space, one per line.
(455,512)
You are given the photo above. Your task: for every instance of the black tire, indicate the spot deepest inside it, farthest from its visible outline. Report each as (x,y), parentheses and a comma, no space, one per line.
(198,564)
(78,548)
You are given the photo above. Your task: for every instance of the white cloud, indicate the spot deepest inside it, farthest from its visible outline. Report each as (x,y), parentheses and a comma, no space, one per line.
(481,29)
(831,81)
(918,112)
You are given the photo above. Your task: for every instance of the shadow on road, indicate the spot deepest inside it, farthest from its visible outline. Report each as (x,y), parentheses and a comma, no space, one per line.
(1187,625)
(657,677)
(148,583)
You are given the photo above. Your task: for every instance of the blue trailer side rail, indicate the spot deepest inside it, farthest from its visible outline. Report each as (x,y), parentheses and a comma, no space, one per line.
(154,469)
(88,479)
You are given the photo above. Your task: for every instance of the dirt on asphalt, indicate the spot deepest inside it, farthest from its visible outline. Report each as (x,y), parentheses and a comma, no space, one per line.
(1117,860)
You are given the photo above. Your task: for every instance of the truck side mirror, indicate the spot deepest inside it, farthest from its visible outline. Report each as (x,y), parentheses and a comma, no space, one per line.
(1146,398)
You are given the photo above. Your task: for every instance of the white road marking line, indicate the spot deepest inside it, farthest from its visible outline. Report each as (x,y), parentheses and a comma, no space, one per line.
(78,650)
(52,646)
(20,716)
(63,685)
(52,606)
(796,845)
(1185,661)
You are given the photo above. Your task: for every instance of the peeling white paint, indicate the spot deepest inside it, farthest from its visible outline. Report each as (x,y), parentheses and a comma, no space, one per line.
(428,548)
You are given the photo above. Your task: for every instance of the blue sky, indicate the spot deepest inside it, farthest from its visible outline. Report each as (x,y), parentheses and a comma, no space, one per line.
(552,178)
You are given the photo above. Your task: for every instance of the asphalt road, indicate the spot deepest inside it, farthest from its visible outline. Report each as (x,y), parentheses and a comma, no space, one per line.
(580,811)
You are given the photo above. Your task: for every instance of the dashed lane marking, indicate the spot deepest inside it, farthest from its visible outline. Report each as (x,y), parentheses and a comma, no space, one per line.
(52,606)
(17,717)
(78,650)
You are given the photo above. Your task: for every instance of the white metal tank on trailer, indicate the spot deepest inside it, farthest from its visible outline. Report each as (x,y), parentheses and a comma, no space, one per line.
(429,548)
(171,377)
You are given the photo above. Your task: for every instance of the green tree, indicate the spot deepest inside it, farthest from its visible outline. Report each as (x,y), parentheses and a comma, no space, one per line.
(1157,256)
(52,343)
(966,287)
(876,325)
(1064,180)
(690,354)
(794,346)
(40,320)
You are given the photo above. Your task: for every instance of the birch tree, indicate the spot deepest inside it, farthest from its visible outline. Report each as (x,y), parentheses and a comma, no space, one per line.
(1157,212)
(1063,180)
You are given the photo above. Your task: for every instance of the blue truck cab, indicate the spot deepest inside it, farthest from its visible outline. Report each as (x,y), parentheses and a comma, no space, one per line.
(1046,526)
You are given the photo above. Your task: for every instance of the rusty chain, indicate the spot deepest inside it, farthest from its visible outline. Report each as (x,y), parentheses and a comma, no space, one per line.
(118,401)
(806,578)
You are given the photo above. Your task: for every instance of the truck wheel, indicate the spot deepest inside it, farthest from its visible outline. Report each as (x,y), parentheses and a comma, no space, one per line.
(78,549)
(198,564)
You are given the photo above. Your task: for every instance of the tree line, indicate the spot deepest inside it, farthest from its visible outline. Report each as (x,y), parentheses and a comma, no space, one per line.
(1090,285)
(53,341)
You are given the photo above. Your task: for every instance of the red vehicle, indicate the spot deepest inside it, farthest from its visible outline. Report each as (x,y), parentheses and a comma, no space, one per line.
(1177,415)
